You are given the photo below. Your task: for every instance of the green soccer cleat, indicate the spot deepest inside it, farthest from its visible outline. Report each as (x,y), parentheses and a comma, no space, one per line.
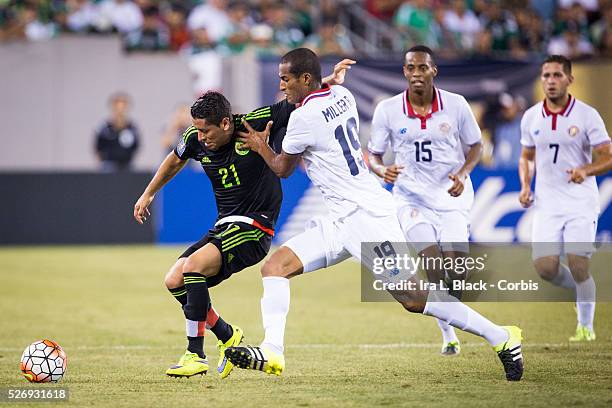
(190,364)
(452,348)
(225,366)
(583,334)
(509,352)
(255,358)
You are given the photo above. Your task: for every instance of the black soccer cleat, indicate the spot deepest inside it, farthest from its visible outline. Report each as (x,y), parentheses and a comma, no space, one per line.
(510,354)
(255,358)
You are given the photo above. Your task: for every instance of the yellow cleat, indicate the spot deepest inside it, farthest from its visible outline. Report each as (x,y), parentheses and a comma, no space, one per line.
(452,348)
(255,358)
(583,334)
(509,352)
(190,364)
(225,366)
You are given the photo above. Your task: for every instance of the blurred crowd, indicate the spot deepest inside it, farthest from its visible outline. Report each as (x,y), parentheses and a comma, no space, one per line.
(225,26)
(575,28)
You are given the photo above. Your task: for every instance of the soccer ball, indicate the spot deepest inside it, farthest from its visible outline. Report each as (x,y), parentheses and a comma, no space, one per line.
(43,361)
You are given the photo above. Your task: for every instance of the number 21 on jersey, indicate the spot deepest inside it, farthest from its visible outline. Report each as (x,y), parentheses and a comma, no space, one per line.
(224,172)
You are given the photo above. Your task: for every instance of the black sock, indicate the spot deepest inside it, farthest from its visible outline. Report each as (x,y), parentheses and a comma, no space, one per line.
(196,345)
(222,330)
(180,294)
(198,301)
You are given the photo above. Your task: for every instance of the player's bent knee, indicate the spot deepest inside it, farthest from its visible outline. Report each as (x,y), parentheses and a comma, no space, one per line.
(274,267)
(579,266)
(193,264)
(283,263)
(270,268)
(413,301)
(172,281)
(190,265)
(414,305)
(547,267)
(174,277)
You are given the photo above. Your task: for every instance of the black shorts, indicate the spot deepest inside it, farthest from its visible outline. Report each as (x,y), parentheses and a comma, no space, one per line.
(241,245)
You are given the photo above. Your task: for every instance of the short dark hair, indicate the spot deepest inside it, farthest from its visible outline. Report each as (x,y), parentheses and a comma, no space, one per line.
(303,61)
(422,48)
(212,107)
(560,59)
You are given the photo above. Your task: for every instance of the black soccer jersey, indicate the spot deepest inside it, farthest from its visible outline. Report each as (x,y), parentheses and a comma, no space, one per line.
(242,181)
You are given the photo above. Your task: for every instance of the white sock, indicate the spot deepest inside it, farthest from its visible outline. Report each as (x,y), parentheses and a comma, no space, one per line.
(564,277)
(448,333)
(448,308)
(585,302)
(274,309)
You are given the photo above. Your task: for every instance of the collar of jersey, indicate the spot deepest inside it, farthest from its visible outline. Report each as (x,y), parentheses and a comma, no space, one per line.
(324,91)
(436,105)
(563,112)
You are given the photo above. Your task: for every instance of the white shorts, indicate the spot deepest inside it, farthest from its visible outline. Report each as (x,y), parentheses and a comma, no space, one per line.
(327,242)
(558,234)
(449,228)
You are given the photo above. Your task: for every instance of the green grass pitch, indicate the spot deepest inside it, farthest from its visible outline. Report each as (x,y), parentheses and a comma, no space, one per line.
(108,308)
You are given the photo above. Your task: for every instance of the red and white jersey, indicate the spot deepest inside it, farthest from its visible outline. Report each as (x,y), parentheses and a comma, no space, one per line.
(563,141)
(324,129)
(429,147)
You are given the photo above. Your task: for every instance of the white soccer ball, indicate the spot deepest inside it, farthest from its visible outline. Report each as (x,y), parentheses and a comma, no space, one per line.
(43,361)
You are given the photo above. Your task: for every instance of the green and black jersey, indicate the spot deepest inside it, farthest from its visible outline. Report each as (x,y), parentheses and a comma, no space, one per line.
(242,181)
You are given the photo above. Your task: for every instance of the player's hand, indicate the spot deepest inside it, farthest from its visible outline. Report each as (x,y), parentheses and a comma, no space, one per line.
(141,208)
(253,139)
(457,187)
(337,78)
(391,173)
(576,175)
(525,197)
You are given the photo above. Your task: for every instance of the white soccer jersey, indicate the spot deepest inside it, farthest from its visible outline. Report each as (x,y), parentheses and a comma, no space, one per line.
(429,147)
(324,129)
(563,141)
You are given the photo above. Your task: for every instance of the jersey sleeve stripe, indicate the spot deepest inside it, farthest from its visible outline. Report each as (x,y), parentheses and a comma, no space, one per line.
(258,111)
(188,132)
(265,108)
(260,116)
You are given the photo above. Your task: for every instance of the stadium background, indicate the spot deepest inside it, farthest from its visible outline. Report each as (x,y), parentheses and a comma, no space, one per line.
(60,61)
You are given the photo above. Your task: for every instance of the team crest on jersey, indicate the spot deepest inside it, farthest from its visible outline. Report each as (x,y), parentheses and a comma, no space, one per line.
(240,150)
(573,131)
(445,128)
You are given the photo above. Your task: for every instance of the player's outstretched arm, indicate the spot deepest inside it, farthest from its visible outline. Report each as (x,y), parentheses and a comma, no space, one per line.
(282,164)
(602,163)
(472,158)
(526,172)
(168,169)
(340,69)
(387,173)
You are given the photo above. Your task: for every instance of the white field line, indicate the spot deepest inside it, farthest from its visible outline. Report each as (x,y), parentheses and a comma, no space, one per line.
(324,346)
